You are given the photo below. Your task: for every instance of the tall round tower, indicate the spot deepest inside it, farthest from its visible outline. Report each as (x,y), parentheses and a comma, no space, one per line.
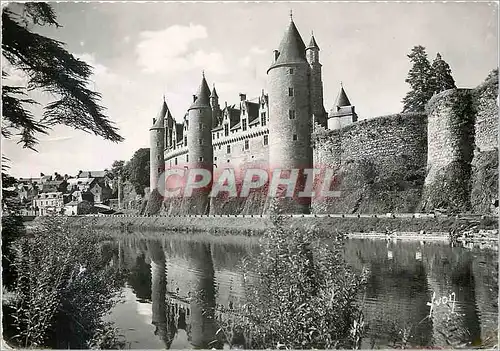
(290,112)
(317,106)
(199,143)
(156,148)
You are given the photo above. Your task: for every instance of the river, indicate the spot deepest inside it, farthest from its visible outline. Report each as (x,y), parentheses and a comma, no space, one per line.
(406,279)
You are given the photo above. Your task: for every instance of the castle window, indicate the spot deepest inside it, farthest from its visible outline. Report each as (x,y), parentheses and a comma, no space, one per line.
(200,141)
(228,149)
(187,158)
(226,129)
(175,161)
(290,71)
(262,118)
(200,125)
(159,170)
(294,137)
(213,136)
(291,114)
(290,91)
(215,158)
(244,124)
(266,139)
(185,141)
(217,135)
(200,159)
(247,144)
(159,157)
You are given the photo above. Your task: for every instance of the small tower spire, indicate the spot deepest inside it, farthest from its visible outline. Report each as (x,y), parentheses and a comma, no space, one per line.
(291,15)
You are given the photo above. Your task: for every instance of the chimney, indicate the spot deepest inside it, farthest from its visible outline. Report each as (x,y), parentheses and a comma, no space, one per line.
(243,97)
(276,54)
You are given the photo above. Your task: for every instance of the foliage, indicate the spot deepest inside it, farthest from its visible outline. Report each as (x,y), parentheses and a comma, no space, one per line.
(421,81)
(138,170)
(425,79)
(118,173)
(484,183)
(12,228)
(63,288)
(300,294)
(154,203)
(441,72)
(50,68)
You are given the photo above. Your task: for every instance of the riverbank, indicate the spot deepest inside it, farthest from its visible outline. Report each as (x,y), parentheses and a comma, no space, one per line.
(418,226)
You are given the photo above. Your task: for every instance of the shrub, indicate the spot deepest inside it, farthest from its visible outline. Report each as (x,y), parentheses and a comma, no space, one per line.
(64,287)
(300,294)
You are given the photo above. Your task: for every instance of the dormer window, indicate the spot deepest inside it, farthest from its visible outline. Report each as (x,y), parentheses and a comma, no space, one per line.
(263,119)
(226,129)
(290,71)
(185,141)
(244,124)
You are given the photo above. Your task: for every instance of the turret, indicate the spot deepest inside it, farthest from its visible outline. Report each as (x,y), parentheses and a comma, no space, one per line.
(156,148)
(318,108)
(169,128)
(199,141)
(343,112)
(216,111)
(290,112)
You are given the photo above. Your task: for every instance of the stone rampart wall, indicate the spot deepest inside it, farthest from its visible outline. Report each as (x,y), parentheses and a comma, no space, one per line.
(380,164)
(450,150)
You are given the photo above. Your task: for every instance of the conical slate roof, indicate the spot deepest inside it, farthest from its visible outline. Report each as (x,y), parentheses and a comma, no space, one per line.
(160,118)
(342,99)
(203,95)
(312,43)
(292,48)
(214,93)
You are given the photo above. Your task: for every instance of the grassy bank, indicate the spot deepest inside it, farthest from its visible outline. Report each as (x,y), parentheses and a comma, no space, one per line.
(250,226)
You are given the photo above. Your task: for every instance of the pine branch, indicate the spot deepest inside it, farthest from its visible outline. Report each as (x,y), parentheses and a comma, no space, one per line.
(52,69)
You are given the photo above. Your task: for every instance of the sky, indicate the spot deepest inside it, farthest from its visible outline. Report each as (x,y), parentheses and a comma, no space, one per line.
(142,51)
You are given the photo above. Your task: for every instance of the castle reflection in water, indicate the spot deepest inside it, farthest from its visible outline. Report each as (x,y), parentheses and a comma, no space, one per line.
(180,281)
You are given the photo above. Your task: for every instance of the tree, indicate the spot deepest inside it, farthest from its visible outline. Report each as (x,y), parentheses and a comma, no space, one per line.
(118,172)
(421,80)
(49,68)
(118,169)
(138,170)
(441,72)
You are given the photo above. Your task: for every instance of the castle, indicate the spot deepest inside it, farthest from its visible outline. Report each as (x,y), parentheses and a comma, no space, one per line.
(273,129)
(396,163)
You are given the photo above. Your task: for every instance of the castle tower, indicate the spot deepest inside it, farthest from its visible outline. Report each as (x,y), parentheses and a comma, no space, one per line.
(290,113)
(318,109)
(199,143)
(169,128)
(342,113)
(156,148)
(216,111)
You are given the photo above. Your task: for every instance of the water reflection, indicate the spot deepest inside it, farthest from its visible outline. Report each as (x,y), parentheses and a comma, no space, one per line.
(184,279)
